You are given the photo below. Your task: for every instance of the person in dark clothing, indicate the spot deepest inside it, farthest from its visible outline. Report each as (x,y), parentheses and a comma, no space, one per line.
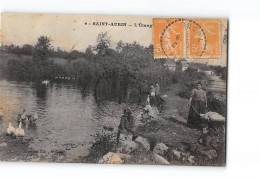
(127,124)
(153,99)
(205,139)
(160,101)
(198,104)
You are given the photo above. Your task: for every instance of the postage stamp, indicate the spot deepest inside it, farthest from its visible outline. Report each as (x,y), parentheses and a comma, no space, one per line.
(187,38)
(169,37)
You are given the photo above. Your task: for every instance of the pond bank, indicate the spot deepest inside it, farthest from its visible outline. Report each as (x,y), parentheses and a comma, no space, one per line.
(170,130)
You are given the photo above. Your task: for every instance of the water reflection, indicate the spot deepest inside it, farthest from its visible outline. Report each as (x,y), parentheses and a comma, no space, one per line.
(41,90)
(32,126)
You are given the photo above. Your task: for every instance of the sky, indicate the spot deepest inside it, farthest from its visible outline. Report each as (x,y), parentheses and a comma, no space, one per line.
(67,31)
(77,32)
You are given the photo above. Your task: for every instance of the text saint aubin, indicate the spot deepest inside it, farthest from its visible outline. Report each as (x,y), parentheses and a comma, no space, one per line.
(108,24)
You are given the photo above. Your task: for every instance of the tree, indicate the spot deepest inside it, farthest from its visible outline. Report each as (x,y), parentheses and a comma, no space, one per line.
(120,46)
(27,49)
(89,52)
(75,54)
(103,43)
(42,50)
(41,57)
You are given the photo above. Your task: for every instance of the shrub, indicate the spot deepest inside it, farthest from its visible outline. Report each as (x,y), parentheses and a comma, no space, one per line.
(104,143)
(184,93)
(216,105)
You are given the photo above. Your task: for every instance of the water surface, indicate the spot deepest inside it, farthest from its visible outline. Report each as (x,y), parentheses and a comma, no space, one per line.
(68,115)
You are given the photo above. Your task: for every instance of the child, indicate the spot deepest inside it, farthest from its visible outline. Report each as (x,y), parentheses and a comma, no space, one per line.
(205,139)
(127,125)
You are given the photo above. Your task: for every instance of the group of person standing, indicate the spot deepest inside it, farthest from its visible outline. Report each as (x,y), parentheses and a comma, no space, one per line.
(154,98)
(127,122)
(197,105)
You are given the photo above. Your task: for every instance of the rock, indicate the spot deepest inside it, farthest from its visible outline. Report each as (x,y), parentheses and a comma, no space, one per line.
(123,156)
(173,154)
(144,142)
(210,154)
(110,158)
(160,148)
(124,136)
(191,159)
(212,116)
(3,144)
(177,153)
(160,160)
(127,146)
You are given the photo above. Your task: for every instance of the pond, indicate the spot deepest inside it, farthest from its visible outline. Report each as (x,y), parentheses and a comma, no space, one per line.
(68,114)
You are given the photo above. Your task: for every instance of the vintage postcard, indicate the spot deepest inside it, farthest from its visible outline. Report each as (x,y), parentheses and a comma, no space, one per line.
(113,89)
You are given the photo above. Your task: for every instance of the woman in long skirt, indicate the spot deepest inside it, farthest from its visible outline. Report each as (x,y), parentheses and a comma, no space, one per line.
(198,104)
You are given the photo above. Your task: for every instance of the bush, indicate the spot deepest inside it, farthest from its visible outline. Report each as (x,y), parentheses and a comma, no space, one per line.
(216,105)
(185,93)
(103,144)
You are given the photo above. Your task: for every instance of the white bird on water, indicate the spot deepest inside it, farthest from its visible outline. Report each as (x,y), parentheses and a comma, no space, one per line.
(10,130)
(19,131)
(46,82)
(35,116)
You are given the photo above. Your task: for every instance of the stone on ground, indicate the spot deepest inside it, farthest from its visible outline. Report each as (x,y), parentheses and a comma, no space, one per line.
(110,158)
(3,144)
(160,160)
(191,159)
(144,142)
(210,154)
(127,146)
(160,149)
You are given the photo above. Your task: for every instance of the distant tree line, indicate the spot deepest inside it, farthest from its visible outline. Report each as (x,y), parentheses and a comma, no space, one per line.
(124,74)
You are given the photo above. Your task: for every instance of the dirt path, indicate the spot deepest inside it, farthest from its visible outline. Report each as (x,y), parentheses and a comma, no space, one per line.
(176,107)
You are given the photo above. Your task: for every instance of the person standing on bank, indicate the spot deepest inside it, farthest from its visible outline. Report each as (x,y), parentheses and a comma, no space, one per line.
(198,104)
(127,124)
(157,93)
(160,101)
(153,100)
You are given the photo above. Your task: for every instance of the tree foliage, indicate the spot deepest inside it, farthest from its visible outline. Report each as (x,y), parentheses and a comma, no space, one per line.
(103,43)
(42,50)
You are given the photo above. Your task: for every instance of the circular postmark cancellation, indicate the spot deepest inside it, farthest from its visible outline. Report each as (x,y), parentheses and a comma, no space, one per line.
(172,38)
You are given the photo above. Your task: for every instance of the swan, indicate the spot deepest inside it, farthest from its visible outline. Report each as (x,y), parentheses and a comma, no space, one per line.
(34,118)
(19,131)
(45,82)
(10,130)
(22,117)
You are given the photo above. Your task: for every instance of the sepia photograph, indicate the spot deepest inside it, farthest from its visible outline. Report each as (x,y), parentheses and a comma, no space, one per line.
(113,89)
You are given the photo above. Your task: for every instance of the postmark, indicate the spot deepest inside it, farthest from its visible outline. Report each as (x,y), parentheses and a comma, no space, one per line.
(186,38)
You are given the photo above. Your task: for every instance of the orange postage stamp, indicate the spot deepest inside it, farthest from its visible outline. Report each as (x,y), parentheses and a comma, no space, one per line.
(187,38)
(169,40)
